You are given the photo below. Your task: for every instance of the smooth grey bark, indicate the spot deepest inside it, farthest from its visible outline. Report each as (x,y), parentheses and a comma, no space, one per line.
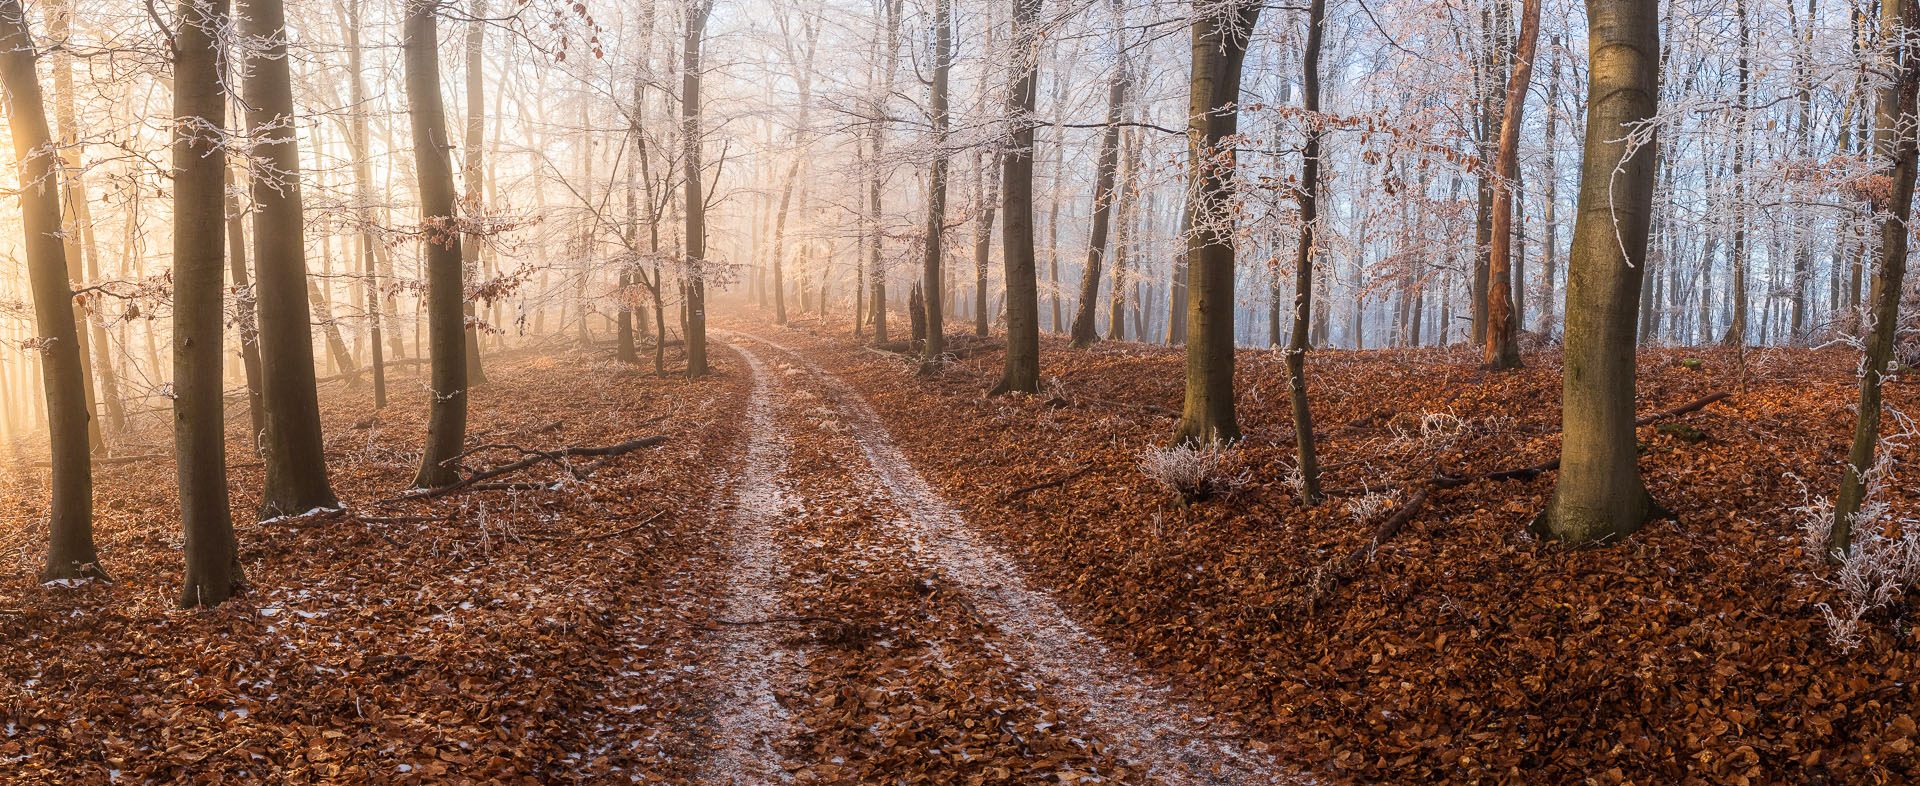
(1599,496)
(1021,372)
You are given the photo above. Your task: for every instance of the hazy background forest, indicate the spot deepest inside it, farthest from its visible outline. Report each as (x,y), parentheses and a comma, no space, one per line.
(958,391)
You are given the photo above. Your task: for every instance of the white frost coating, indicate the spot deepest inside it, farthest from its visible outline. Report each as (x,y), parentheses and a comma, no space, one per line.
(750,662)
(1148,726)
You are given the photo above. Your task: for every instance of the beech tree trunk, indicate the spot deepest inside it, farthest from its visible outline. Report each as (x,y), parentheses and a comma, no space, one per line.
(83,257)
(1600,496)
(1220,37)
(932,287)
(986,198)
(696,197)
(1503,318)
(446,334)
(473,205)
(247,328)
(199,219)
(1305,451)
(1898,151)
(296,470)
(70,550)
(1022,369)
(359,141)
(1084,331)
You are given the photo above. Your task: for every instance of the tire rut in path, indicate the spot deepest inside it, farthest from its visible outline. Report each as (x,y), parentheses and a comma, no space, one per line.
(750,664)
(1147,725)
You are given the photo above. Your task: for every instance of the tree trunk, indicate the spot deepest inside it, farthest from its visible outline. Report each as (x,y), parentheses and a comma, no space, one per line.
(296,473)
(696,202)
(1219,51)
(199,216)
(247,327)
(77,230)
(1600,496)
(986,198)
(1305,451)
(1898,151)
(1022,369)
(1736,335)
(1503,319)
(1084,331)
(447,339)
(472,206)
(931,283)
(1550,257)
(359,142)
(70,551)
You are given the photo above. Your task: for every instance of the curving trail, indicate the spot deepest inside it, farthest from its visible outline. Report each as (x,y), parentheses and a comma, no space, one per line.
(1147,727)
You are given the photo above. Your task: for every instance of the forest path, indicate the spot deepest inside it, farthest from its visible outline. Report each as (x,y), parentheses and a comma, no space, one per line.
(1103,691)
(751,664)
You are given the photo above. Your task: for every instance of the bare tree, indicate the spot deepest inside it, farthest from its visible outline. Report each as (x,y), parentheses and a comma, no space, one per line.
(70,551)
(1022,370)
(199,224)
(447,339)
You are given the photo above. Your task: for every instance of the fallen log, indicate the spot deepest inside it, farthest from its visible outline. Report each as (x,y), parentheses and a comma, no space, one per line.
(1059,481)
(533,458)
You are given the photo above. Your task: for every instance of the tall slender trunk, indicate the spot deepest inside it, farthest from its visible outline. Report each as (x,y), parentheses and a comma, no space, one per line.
(931,283)
(1600,496)
(1503,318)
(70,550)
(247,327)
(1123,234)
(359,142)
(1084,331)
(1220,40)
(696,196)
(1305,450)
(83,256)
(1549,261)
(1736,335)
(986,198)
(296,471)
(446,334)
(1022,369)
(471,204)
(1896,146)
(199,218)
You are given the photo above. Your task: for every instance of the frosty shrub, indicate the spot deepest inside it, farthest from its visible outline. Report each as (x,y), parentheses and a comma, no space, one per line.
(1879,570)
(1193,472)
(1369,508)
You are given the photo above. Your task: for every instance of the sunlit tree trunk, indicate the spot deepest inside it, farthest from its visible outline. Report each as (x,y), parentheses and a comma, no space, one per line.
(83,256)
(1022,368)
(199,219)
(447,339)
(1600,496)
(70,551)
(1897,150)
(1220,37)
(1503,318)
(296,471)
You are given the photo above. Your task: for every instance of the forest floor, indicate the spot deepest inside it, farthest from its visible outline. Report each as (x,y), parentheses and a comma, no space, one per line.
(834,571)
